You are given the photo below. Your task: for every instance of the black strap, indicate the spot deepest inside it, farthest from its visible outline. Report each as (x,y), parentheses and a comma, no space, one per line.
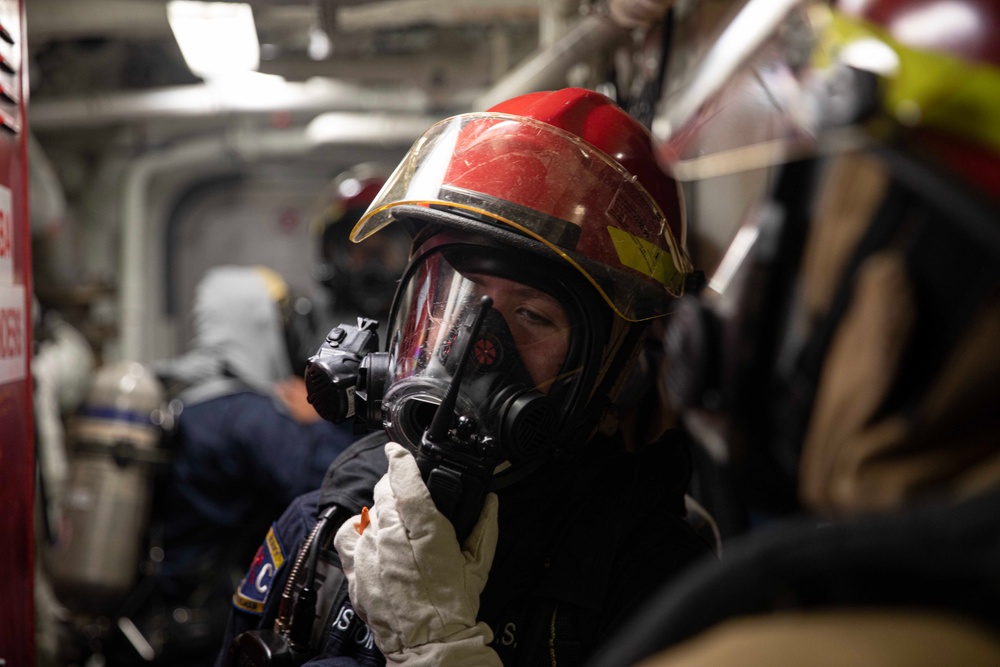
(642,104)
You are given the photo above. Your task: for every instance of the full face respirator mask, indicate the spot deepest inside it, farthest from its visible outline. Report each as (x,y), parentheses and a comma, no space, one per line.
(480,376)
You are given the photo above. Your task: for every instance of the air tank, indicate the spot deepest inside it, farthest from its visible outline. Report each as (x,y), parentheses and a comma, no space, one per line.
(117,447)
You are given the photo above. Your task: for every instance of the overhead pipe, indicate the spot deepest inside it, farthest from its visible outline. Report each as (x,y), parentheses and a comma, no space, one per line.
(142,232)
(258,94)
(548,67)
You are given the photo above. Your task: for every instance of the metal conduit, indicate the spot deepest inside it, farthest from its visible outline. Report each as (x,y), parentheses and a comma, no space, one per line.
(264,95)
(547,68)
(141,231)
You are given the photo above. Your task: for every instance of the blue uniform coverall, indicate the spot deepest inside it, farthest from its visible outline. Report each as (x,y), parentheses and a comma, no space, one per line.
(239,463)
(239,458)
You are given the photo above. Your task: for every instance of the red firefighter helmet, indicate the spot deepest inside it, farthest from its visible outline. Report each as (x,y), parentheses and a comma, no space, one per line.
(361,279)
(569,169)
(943,84)
(555,197)
(338,208)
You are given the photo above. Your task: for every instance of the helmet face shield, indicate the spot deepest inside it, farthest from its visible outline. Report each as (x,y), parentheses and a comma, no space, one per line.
(754,100)
(552,186)
(522,369)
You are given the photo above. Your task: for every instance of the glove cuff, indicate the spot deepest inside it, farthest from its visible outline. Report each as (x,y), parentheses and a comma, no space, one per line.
(466,648)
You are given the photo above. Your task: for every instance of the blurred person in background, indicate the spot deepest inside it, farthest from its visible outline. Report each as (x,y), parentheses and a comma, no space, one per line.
(245,443)
(360,278)
(357,280)
(217,446)
(842,365)
(234,422)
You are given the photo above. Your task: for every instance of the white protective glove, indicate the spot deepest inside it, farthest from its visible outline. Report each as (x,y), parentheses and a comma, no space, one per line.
(409,580)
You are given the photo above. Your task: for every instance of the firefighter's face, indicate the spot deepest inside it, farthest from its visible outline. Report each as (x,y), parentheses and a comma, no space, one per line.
(495,361)
(539,324)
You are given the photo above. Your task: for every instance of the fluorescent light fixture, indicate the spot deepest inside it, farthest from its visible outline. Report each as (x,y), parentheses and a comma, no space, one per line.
(215,38)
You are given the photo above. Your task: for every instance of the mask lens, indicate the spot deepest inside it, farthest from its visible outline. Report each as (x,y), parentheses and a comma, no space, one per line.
(522,348)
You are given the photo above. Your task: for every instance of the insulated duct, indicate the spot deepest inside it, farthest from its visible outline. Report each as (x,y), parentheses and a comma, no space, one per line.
(142,232)
(547,68)
(254,94)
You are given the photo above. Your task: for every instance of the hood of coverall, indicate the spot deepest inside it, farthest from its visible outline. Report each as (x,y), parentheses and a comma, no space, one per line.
(238,329)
